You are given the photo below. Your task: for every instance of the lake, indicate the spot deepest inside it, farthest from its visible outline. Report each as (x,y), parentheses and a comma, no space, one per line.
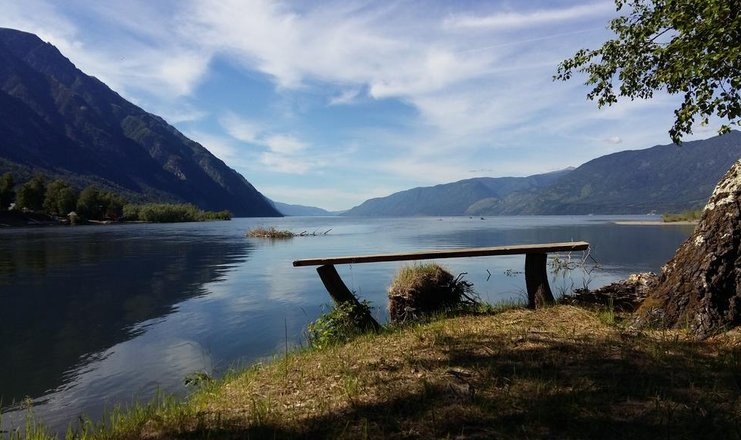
(95,316)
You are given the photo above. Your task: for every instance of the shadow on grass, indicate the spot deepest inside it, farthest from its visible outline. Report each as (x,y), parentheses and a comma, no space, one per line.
(538,386)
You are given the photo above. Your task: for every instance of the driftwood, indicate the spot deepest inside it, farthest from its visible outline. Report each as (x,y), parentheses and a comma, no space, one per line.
(623,296)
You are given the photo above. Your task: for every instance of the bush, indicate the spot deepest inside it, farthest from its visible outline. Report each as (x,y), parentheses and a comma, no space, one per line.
(341,324)
(31,194)
(421,290)
(171,213)
(7,194)
(60,199)
(95,204)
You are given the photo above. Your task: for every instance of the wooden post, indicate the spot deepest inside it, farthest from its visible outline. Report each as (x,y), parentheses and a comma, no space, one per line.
(341,294)
(536,279)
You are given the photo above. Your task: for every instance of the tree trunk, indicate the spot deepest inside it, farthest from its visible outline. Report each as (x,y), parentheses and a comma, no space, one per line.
(700,287)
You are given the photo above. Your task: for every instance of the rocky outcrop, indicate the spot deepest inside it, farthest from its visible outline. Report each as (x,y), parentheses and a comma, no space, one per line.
(700,287)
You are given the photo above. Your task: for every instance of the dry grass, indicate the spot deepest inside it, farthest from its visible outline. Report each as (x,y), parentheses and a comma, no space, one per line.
(421,290)
(560,372)
(552,373)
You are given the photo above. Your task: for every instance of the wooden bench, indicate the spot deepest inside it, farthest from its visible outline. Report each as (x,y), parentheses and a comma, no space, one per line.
(536,271)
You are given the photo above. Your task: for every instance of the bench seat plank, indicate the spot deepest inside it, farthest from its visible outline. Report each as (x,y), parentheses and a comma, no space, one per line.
(448,253)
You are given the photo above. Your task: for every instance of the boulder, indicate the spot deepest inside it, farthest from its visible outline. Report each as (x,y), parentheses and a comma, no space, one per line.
(700,287)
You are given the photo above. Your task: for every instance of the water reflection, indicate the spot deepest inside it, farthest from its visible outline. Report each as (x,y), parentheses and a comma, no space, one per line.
(68,297)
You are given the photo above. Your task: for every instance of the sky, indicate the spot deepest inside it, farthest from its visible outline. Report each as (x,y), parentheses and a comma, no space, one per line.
(330,103)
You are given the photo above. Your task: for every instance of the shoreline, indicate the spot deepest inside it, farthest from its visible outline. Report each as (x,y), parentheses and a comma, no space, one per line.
(654,222)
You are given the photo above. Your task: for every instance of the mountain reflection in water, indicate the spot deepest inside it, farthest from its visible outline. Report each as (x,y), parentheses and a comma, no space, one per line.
(67,297)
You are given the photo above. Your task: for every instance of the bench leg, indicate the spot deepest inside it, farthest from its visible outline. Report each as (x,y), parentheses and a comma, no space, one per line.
(536,279)
(341,294)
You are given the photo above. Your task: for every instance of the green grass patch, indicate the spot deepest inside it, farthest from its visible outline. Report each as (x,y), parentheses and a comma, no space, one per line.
(341,324)
(692,215)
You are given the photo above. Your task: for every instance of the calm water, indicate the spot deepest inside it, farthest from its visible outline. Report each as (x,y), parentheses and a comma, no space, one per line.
(96,316)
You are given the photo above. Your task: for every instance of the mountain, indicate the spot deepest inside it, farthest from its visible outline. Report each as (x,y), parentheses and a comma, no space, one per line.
(664,178)
(300,210)
(56,120)
(451,198)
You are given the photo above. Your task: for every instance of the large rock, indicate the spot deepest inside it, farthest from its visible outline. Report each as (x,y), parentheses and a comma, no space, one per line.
(700,287)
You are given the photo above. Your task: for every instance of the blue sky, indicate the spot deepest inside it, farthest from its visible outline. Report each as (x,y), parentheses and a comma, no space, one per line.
(329,103)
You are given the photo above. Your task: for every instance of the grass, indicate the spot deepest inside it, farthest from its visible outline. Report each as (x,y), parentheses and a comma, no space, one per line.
(419,290)
(693,215)
(559,372)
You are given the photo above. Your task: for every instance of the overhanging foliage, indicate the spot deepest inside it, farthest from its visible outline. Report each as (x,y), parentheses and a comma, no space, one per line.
(692,47)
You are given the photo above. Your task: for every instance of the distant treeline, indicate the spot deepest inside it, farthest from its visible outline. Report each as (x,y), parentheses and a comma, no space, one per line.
(692,215)
(168,213)
(60,199)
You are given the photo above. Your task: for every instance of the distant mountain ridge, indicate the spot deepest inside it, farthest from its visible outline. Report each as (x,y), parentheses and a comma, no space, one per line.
(450,198)
(56,120)
(300,210)
(664,178)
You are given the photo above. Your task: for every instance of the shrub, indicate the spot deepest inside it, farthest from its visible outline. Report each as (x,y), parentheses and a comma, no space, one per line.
(341,324)
(60,198)
(31,194)
(171,213)
(7,194)
(96,204)
(425,289)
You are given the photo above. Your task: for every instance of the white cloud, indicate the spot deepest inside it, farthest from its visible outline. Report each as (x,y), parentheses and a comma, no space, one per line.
(285,163)
(345,97)
(286,152)
(240,128)
(515,19)
(284,144)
